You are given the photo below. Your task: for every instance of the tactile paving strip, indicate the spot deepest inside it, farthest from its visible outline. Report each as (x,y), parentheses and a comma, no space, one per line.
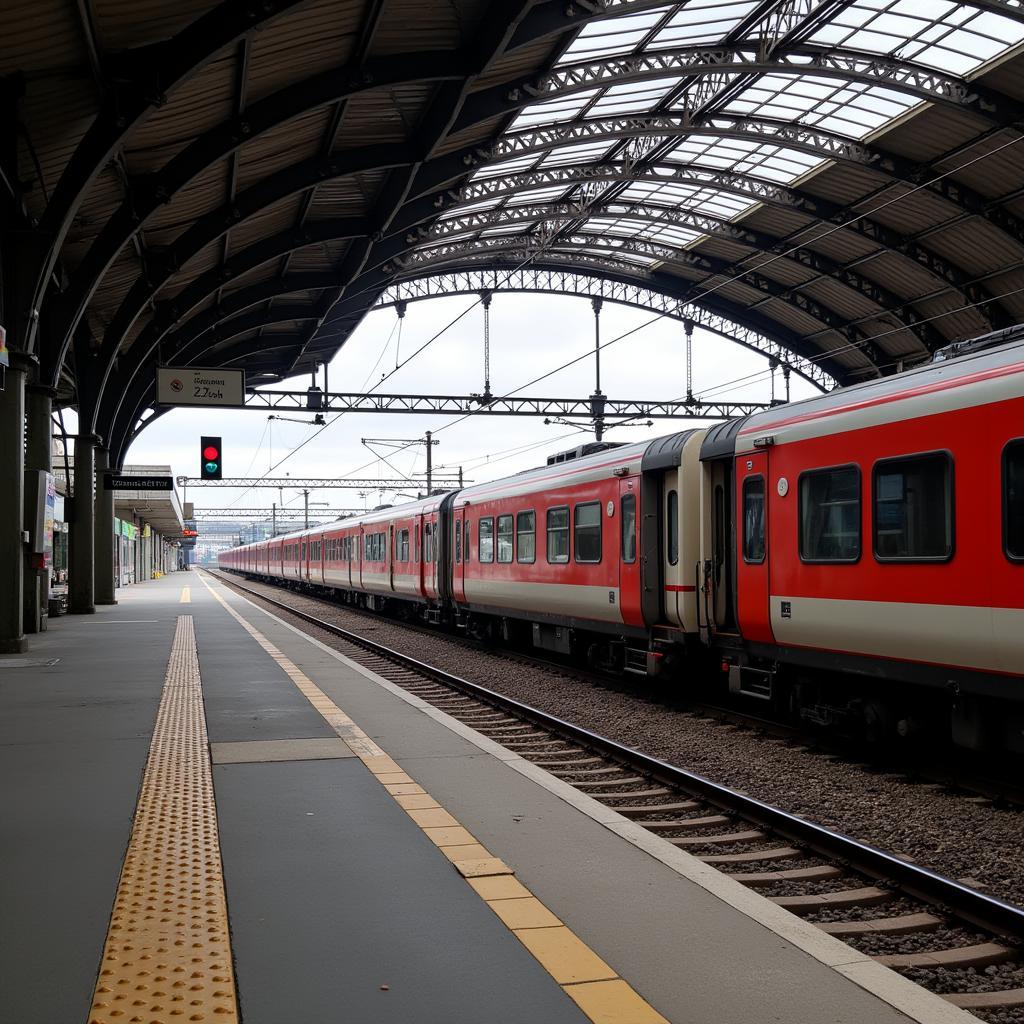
(597,990)
(167,956)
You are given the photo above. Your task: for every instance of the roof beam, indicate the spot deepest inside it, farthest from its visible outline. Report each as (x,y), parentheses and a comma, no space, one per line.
(589,284)
(655,214)
(490,43)
(139,82)
(824,212)
(522,248)
(723,62)
(219,142)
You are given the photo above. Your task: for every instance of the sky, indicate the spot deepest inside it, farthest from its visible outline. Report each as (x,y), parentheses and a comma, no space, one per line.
(530,335)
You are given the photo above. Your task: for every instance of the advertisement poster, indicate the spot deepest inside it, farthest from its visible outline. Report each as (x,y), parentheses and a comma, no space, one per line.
(48,518)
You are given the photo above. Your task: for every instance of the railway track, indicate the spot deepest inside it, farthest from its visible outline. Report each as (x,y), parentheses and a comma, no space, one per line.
(946,935)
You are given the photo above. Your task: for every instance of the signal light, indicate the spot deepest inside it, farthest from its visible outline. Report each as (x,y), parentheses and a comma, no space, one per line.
(210,458)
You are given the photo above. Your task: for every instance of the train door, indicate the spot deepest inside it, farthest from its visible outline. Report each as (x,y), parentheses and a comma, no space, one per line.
(752,563)
(360,542)
(458,573)
(391,555)
(629,553)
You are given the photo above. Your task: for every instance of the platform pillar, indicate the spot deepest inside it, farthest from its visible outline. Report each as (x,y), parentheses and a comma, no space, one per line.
(38,456)
(104,534)
(12,496)
(82,539)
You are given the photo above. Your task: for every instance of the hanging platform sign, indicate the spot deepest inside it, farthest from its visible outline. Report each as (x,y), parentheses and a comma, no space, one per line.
(199,385)
(114,482)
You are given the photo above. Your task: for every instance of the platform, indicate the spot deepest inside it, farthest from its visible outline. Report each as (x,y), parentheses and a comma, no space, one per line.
(375,860)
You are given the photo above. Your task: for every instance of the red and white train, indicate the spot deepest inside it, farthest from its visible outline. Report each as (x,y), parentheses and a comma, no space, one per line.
(859,555)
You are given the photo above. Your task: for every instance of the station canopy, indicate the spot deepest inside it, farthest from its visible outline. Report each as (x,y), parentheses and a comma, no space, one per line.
(837,183)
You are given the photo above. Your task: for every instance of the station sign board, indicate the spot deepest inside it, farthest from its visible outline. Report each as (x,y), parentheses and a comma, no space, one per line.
(201,386)
(116,482)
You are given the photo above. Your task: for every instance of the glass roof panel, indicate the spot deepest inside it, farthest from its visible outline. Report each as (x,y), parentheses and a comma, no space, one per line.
(677,170)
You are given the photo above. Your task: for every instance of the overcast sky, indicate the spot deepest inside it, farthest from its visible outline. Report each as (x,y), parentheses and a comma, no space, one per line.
(530,335)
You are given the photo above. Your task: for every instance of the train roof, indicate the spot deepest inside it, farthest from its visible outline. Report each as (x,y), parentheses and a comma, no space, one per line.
(975,378)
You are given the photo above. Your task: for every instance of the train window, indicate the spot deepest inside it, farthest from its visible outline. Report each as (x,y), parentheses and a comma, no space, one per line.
(504,538)
(465,546)
(1013,500)
(458,542)
(428,540)
(526,536)
(628,521)
(913,500)
(587,523)
(830,515)
(485,540)
(403,545)
(672,526)
(558,534)
(753,519)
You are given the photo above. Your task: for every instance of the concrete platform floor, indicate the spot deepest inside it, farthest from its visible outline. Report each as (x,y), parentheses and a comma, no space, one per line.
(342,905)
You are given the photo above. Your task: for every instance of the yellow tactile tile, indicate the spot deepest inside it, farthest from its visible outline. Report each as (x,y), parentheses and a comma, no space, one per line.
(524,912)
(563,956)
(167,957)
(453,836)
(404,788)
(613,1002)
(598,991)
(479,867)
(432,817)
(464,852)
(416,801)
(186,596)
(395,779)
(498,887)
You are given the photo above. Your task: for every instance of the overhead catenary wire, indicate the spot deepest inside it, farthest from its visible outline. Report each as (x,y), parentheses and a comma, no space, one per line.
(702,294)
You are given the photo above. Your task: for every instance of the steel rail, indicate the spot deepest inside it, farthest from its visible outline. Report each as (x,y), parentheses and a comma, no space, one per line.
(969,904)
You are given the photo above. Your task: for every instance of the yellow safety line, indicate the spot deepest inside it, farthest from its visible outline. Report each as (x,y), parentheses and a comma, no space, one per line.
(186,595)
(167,957)
(595,987)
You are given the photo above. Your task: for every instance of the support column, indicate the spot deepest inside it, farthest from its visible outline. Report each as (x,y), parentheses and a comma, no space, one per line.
(104,533)
(12,497)
(38,456)
(83,548)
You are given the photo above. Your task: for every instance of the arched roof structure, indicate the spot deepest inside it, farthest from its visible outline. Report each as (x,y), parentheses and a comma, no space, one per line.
(240,182)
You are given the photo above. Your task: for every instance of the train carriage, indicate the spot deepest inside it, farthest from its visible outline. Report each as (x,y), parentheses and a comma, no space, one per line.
(842,556)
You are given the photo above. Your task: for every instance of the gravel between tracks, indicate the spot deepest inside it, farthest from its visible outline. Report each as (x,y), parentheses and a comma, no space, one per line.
(939,830)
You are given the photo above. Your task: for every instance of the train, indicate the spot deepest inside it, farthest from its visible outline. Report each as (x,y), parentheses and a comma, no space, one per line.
(855,559)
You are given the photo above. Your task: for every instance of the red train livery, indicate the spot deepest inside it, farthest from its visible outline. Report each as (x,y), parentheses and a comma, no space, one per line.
(856,557)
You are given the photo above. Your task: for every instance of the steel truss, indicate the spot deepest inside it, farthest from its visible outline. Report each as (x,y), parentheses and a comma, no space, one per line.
(592,285)
(721,63)
(320,482)
(268,513)
(497,405)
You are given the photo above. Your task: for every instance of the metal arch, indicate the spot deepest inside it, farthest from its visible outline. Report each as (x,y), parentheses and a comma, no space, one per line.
(725,60)
(228,313)
(551,17)
(150,193)
(588,284)
(490,43)
(250,203)
(143,79)
(763,190)
(789,343)
(654,213)
(614,244)
(168,314)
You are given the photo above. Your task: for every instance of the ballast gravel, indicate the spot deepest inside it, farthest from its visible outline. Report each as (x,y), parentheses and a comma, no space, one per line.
(937,829)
